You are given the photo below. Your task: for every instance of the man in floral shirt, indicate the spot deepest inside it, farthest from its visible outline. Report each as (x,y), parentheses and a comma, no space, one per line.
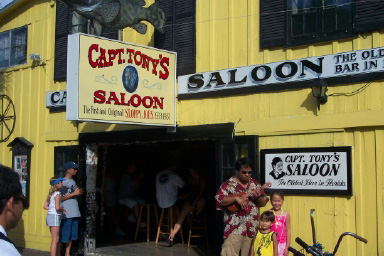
(240,226)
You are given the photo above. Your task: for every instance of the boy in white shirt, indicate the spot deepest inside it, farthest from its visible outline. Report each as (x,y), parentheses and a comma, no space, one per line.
(11,208)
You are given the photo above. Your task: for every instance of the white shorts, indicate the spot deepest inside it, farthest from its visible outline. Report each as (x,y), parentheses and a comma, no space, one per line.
(53,220)
(131,201)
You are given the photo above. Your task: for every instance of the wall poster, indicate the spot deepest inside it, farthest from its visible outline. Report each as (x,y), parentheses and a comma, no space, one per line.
(21,168)
(324,171)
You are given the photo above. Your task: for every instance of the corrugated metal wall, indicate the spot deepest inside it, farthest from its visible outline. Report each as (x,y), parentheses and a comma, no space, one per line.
(361,213)
(27,85)
(227,36)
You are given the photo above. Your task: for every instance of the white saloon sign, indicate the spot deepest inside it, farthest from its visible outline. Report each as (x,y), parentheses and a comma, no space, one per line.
(272,75)
(308,170)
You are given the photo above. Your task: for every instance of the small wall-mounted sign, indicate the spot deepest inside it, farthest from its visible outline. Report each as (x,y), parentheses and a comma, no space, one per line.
(56,99)
(21,164)
(308,170)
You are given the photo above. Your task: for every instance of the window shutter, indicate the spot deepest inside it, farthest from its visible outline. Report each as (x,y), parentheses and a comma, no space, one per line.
(165,40)
(369,15)
(179,33)
(185,37)
(272,23)
(62,31)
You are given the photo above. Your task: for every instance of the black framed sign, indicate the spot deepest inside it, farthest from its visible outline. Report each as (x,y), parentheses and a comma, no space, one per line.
(21,163)
(20,166)
(324,171)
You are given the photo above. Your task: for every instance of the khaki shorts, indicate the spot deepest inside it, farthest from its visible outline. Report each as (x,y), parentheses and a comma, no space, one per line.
(234,243)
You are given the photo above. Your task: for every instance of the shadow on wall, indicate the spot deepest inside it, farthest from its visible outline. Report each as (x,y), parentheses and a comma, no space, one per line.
(310,103)
(4,81)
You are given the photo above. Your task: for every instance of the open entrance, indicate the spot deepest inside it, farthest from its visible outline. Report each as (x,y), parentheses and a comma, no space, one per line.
(211,147)
(150,158)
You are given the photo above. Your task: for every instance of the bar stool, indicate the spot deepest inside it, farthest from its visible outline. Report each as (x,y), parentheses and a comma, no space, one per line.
(203,226)
(169,224)
(126,212)
(148,215)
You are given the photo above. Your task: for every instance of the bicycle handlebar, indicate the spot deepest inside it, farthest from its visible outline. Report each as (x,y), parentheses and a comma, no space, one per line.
(348,234)
(308,249)
(362,239)
(295,252)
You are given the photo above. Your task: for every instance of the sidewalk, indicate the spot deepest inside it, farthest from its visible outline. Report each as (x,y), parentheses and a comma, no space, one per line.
(150,248)
(139,249)
(30,252)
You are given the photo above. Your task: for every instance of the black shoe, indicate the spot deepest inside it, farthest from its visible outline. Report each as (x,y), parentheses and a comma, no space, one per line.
(166,239)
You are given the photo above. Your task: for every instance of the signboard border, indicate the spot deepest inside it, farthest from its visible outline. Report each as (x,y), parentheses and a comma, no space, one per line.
(345,149)
(73,58)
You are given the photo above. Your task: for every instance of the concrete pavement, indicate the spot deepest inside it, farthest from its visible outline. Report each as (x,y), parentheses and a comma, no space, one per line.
(140,249)
(150,248)
(30,252)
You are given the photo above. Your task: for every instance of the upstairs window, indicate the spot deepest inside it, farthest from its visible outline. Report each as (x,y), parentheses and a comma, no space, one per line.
(299,22)
(318,20)
(13,47)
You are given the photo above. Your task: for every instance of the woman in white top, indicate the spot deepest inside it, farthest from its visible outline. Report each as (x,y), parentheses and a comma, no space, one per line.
(55,210)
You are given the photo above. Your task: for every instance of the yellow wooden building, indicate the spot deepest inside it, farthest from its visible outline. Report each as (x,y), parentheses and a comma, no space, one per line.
(222,35)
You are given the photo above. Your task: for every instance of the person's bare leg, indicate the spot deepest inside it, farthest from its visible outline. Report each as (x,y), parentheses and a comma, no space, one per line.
(58,248)
(68,248)
(200,206)
(184,213)
(55,239)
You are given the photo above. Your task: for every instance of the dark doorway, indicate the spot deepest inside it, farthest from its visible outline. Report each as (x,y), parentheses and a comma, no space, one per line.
(151,158)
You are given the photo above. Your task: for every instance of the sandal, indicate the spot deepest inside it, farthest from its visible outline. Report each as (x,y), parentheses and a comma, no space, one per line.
(170,241)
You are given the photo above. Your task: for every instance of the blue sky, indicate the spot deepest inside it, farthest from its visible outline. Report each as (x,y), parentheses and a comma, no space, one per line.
(5,2)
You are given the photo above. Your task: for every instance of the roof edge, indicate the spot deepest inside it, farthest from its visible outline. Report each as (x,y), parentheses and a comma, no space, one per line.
(6,10)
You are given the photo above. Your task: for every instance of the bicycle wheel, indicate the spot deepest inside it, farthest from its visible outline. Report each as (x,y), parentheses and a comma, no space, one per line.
(7,117)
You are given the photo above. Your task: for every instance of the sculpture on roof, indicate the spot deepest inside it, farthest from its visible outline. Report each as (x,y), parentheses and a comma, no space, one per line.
(120,14)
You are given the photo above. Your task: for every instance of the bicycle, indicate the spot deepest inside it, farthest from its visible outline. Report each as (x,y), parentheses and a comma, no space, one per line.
(317,249)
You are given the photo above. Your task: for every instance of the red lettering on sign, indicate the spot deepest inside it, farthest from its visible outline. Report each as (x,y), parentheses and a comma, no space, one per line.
(135,100)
